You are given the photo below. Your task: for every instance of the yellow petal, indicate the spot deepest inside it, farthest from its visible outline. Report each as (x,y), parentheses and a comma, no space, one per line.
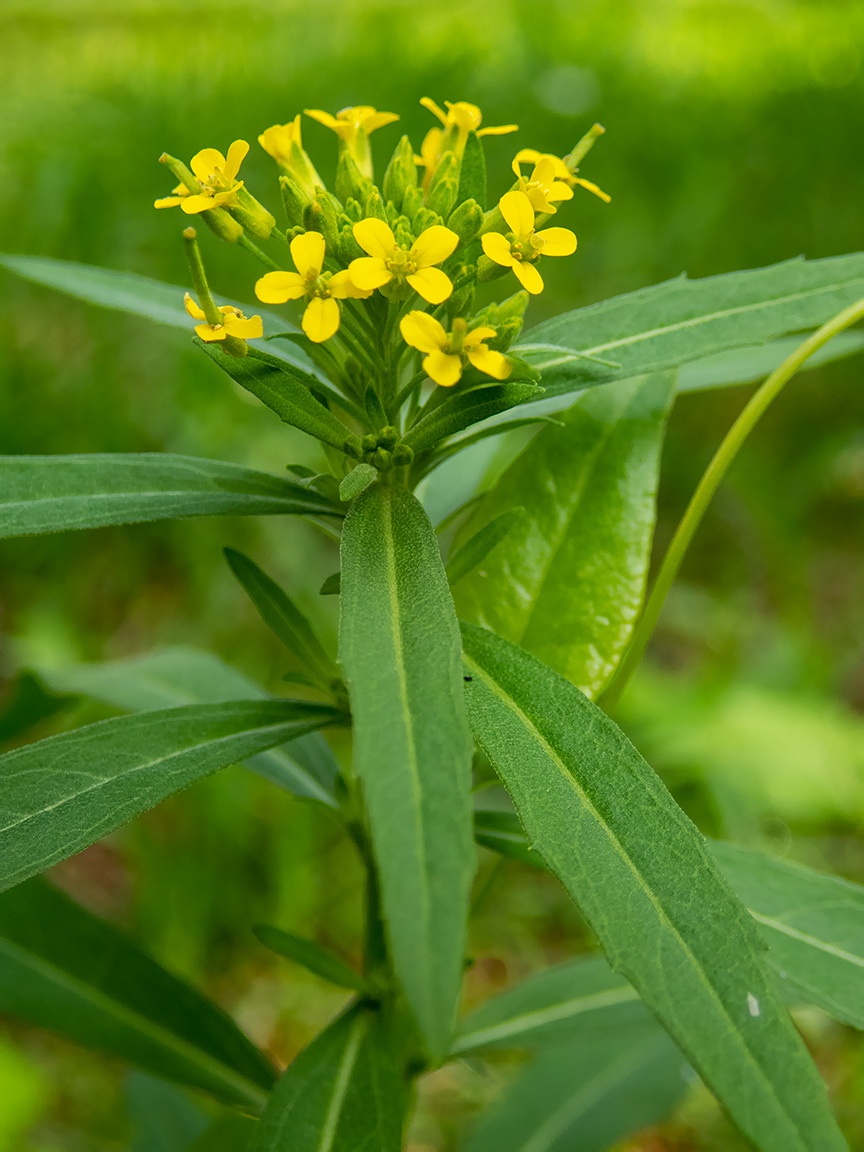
(497,248)
(378,120)
(321,319)
(369,272)
(210,332)
(557,242)
(243,329)
(467,117)
(517,211)
(341,287)
(477,336)
(539,202)
(529,277)
(423,332)
(427,102)
(431,284)
(433,245)
(194,204)
(492,363)
(501,130)
(277,287)
(324,118)
(375,237)
(307,252)
(236,155)
(192,308)
(528,155)
(604,196)
(544,172)
(445,369)
(559,191)
(205,162)
(168,202)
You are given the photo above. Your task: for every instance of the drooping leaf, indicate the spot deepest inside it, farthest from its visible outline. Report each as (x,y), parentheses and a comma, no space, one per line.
(681,320)
(63,968)
(813,924)
(463,409)
(163,1118)
(341,1094)
(399,649)
(61,794)
(169,677)
(643,878)
(312,956)
(60,493)
(475,549)
(568,581)
(27,703)
(586,1093)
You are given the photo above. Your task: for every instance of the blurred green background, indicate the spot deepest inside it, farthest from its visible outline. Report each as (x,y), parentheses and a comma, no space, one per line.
(734,135)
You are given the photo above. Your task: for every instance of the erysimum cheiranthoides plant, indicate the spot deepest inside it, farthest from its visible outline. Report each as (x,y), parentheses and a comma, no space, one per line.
(403,380)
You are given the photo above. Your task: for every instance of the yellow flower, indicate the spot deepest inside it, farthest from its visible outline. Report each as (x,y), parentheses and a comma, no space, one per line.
(353,126)
(460,119)
(542,188)
(520,248)
(387,260)
(234,323)
(216,177)
(284,143)
(446,355)
(561,171)
(321,289)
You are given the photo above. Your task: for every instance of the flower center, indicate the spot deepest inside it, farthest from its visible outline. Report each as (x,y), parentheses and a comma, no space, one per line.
(399,264)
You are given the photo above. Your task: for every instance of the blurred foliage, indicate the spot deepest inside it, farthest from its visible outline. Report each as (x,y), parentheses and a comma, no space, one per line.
(734,134)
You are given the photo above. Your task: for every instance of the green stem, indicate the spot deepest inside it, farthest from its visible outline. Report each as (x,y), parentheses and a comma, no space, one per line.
(254,250)
(199,277)
(708,485)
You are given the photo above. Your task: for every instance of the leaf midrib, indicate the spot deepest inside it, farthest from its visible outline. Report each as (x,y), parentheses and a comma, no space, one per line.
(340,1085)
(806,938)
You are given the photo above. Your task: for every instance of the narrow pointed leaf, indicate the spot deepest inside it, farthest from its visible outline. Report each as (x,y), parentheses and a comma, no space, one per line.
(501,832)
(61,794)
(65,969)
(341,1094)
(399,648)
(312,956)
(163,1118)
(466,408)
(475,550)
(643,878)
(169,677)
(60,493)
(568,581)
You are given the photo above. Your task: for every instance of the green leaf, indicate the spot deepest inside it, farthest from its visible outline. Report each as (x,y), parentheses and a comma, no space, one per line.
(285,394)
(341,1094)
(332,585)
(316,958)
(282,616)
(567,583)
(399,648)
(65,969)
(501,832)
(230,1133)
(747,365)
(813,924)
(586,1093)
(644,880)
(168,677)
(477,548)
(668,324)
(59,493)
(61,794)
(27,704)
(164,1118)
(550,1005)
(357,481)
(465,408)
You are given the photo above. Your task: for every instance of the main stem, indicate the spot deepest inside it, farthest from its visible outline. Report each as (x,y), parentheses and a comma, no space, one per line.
(706,488)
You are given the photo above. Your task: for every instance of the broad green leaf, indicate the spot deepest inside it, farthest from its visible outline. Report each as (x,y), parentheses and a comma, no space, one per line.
(137,295)
(163,1118)
(586,1093)
(60,493)
(343,1093)
(61,794)
(169,677)
(65,969)
(643,878)
(463,409)
(312,956)
(475,550)
(813,924)
(230,1133)
(399,649)
(26,705)
(551,1005)
(568,581)
(669,324)
(282,616)
(285,395)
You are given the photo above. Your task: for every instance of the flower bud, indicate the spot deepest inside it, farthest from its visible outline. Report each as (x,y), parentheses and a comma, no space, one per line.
(403,455)
(350,182)
(401,173)
(294,200)
(412,202)
(466,220)
(347,248)
(322,216)
(218,221)
(253,216)
(488,270)
(445,185)
(373,206)
(424,219)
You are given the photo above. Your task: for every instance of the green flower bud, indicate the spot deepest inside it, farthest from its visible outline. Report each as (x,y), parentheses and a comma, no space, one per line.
(445,185)
(383,459)
(388,436)
(401,173)
(218,221)
(321,216)
(425,219)
(462,300)
(253,216)
(347,248)
(350,181)
(403,455)
(466,220)
(488,270)
(294,200)
(412,202)
(373,206)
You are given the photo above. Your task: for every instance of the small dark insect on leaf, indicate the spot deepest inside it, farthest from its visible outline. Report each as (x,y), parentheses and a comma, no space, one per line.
(467,679)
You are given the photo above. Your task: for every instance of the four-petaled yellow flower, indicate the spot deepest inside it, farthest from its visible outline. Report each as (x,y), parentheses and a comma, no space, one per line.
(234,323)
(387,260)
(353,126)
(541,187)
(284,143)
(561,171)
(321,289)
(217,179)
(447,354)
(520,248)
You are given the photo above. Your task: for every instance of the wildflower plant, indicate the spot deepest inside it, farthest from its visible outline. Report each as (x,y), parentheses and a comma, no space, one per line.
(409,356)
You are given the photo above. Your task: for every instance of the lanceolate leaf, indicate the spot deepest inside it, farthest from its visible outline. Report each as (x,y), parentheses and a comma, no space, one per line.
(475,550)
(59,493)
(169,677)
(668,324)
(341,1094)
(643,878)
(59,795)
(65,969)
(312,956)
(163,1118)
(465,408)
(399,648)
(568,580)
